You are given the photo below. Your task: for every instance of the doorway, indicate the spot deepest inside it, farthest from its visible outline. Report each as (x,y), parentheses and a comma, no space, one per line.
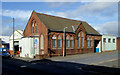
(16,46)
(96,45)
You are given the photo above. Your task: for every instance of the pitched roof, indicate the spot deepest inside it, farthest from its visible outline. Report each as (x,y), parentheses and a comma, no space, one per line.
(55,23)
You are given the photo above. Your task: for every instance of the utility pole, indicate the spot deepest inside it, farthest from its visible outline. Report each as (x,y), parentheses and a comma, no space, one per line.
(13,38)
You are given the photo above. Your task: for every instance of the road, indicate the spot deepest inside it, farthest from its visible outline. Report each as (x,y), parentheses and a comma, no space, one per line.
(42,67)
(74,64)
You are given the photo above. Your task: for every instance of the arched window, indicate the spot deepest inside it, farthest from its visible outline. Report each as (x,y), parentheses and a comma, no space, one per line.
(82,40)
(91,43)
(59,41)
(88,43)
(32,27)
(42,42)
(67,42)
(35,27)
(78,40)
(54,41)
(71,40)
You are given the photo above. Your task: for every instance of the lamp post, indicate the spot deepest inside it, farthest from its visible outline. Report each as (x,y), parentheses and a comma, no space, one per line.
(64,41)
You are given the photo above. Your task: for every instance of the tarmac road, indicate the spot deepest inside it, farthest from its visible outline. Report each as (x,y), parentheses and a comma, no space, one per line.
(42,67)
(85,64)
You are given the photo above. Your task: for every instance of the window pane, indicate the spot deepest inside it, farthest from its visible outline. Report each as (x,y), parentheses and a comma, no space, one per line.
(67,43)
(91,43)
(88,43)
(78,42)
(82,40)
(54,43)
(104,39)
(113,40)
(71,43)
(42,42)
(35,29)
(109,40)
(59,43)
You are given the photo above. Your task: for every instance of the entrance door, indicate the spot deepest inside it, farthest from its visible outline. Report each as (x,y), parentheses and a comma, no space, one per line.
(96,45)
(36,45)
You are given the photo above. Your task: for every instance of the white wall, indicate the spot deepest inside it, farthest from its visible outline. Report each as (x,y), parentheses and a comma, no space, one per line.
(28,47)
(17,37)
(106,46)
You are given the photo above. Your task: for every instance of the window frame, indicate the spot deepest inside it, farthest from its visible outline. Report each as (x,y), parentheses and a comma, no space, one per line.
(113,40)
(54,39)
(42,45)
(104,40)
(88,43)
(32,27)
(72,42)
(78,42)
(35,27)
(109,40)
(82,42)
(67,42)
(91,43)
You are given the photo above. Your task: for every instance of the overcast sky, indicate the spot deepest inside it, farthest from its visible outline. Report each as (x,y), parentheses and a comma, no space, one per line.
(103,16)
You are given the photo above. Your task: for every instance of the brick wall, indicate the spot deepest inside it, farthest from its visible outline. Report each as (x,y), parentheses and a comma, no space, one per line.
(41,30)
(48,50)
(75,50)
(118,43)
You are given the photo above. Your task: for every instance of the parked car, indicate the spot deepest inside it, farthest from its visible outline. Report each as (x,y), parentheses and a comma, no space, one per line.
(4,53)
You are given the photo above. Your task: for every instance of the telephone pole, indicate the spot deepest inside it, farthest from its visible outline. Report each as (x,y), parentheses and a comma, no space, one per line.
(13,37)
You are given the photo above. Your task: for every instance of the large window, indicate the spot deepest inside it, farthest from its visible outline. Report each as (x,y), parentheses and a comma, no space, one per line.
(54,41)
(82,41)
(67,42)
(42,42)
(32,27)
(91,43)
(59,42)
(88,43)
(35,27)
(71,42)
(78,40)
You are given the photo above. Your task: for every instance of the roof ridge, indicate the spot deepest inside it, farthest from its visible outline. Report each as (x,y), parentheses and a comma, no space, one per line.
(58,17)
(92,27)
(19,32)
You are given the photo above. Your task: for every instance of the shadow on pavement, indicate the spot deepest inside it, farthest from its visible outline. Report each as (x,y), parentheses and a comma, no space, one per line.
(47,67)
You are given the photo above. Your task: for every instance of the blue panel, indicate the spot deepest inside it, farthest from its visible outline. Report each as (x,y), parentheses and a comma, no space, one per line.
(97,49)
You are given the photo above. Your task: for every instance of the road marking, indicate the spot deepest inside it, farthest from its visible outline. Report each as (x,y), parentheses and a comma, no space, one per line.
(103,62)
(23,66)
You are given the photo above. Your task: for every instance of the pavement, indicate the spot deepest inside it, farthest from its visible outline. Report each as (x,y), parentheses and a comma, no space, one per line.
(108,59)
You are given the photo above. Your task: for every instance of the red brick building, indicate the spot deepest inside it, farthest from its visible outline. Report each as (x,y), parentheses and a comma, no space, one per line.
(80,36)
(118,43)
(0,42)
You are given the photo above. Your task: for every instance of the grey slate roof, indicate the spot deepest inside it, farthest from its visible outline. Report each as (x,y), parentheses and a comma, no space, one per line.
(55,23)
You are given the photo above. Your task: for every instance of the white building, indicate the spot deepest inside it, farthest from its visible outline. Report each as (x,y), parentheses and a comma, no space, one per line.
(108,42)
(4,41)
(5,38)
(29,46)
(18,34)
